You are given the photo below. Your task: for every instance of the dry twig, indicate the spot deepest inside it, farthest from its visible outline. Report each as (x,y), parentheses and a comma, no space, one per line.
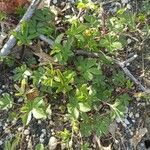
(122,65)
(12,40)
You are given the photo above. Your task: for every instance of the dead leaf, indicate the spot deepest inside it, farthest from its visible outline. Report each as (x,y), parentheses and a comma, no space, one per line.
(112,128)
(138,136)
(100,146)
(44,58)
(32,94)
(9,6)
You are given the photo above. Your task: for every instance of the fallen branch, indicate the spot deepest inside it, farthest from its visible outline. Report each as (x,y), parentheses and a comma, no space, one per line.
(120,64)
(12,40)
(46,39)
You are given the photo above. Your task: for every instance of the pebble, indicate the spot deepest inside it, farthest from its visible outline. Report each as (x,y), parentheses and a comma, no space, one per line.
(52,143)
(124,1)
(1,124)
(42,135)
(41,140)
(14,121)
(131,133)
(44,131)
(126,121)
(137,115)
(116,141)
(7,130)
(20,129)
(131,114)
(5,125)
(20,100)
(54,1)
(3,86)
(1,142)
(129,41)
(26,132)
(129,6)
(1,91)
(118,120)
(124,124)
(39,121)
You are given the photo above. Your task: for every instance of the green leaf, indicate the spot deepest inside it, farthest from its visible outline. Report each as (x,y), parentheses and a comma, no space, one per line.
(59,38)
(101,125)
(88,67)
(86,129)
(39,113)
(84,107)
(26,118)
(6,101)
(116,45)
(36,108)
(39,147)
(120,106)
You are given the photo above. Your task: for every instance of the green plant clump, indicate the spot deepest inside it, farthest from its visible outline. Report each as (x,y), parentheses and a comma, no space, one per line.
(93,90)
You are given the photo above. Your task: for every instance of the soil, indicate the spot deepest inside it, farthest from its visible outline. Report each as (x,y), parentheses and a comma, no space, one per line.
(137,116)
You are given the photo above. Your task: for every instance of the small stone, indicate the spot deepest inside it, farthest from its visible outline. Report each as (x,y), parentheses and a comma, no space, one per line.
(142,145)
(118,120)
(20,129)
(52,143)
(39,121)
(116,141)
(126,121)
(41,140)
(42,135)
(142,104)
(124,1)
(133,121)
(26,132)
(63,146)
(7,130)
(3,86)
(131,114)
(20,100)
(131,133)
(129,41)
(54,1)
(137,115)
(1,91)
(129,6)
(44,130)
(1,124)
(5,124)
(1,142)
(14,121)
(124,124)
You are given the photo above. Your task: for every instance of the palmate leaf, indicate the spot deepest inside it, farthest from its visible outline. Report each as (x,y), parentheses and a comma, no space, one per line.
(111,43)
(36,108)
(85,106)
(101,125)
(6,101)
(120,106)
(26,118)
(39,147)
(21,72)
(72,107)
(62,52)
(88,67)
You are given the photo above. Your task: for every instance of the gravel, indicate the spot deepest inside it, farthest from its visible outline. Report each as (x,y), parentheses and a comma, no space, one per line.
(26,132)
(52,143)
